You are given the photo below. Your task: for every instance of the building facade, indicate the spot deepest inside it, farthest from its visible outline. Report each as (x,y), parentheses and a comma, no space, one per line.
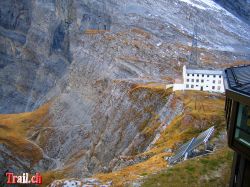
(203,80)
(237,113)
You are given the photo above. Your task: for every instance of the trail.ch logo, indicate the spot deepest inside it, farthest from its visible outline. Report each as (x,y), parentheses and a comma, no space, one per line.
(23,179)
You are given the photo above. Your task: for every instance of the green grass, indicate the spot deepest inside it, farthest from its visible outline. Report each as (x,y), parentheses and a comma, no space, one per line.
(212,170)
(201,111)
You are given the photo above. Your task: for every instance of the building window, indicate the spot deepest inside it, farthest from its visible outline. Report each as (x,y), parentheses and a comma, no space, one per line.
(218,87)
(228,110)
(188,74)
(207,75)
(198,75)
(187,86)
(242,132)
(214,76)
(202,75)
(192,80)
(202,80)
(197,80)
(192,74)
(213,87)
(219,82)
(187,80)
(196,85)
(192,86)
(213,81)
(220,76)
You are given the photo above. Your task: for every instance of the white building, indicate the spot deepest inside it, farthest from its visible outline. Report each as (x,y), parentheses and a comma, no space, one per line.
(203,80)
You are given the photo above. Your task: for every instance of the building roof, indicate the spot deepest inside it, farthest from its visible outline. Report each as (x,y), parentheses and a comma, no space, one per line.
(238,79)
(206,72)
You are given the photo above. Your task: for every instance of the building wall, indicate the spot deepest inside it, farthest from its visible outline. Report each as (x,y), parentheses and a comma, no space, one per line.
(178,87)
(204,82)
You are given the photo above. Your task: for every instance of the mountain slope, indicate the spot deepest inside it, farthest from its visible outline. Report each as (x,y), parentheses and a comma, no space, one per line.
(150,166)
(102,65)
(240,8)
(39,40)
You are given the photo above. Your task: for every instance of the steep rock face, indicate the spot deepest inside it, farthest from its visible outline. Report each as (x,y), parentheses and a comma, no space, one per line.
(15,21)
(38,38)
(16,15)
(239,7)
(31,59)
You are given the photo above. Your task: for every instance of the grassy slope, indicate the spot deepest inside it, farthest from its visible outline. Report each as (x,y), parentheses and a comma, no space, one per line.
(201,111)
(207,171)
(138,94)
(14,129)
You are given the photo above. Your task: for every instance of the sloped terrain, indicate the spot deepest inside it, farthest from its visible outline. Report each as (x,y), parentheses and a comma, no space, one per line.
(240,8)
(39,41)
(102,66)
(210,170)
(196,117)
(19,150)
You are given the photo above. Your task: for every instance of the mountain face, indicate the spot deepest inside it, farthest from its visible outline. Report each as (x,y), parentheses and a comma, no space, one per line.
(39,40)
(240,8)
(91,60)
(34,51)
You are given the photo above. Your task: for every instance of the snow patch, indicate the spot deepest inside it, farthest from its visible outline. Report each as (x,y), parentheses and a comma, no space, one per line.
(207,4)
(193,4)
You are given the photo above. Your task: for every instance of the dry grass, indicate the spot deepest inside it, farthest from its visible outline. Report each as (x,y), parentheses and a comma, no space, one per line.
(235,63)
(50,176)
(158,87)
(211,170)
(149,97)
(133,59)
(141,32)
(15,129)
(138,44)
(130,173)
(202,110)
(94,31)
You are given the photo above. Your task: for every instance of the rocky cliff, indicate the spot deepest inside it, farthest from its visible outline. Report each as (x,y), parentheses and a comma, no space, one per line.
(39,40)
(240,8)
(34,51)
(101,66)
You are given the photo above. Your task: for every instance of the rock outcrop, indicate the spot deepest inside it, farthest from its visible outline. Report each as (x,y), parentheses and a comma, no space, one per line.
(240,8)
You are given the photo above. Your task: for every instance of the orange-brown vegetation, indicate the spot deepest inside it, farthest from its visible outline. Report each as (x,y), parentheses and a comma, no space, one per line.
(141,32)
(236,63)
(15,129)
(150,85)
(130,173)
(94,31)
(201,111)
(133,59)
(138,44)
(210,170)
